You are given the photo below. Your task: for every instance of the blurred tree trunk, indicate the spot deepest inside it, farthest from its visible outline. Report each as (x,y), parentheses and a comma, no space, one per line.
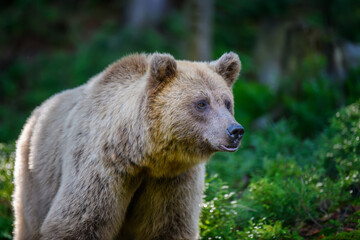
(282,48)
(200,14)
(268,53)
(142,13)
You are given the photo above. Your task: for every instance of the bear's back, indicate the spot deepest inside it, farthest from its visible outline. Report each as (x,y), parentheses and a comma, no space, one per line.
(59,121)
(46,144)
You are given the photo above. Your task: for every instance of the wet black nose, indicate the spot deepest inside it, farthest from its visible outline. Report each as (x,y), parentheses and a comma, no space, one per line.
(235,131)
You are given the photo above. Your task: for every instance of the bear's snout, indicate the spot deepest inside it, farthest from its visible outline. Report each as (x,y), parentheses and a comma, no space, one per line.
(235,132)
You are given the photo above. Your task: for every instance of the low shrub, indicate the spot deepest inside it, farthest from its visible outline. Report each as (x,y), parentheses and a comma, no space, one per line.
(294,184)
(7,158)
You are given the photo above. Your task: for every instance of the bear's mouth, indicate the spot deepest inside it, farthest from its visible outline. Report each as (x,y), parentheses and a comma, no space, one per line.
(229,148)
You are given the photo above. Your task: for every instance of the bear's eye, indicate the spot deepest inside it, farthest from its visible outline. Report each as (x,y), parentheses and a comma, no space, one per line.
(201,105)
(228,104)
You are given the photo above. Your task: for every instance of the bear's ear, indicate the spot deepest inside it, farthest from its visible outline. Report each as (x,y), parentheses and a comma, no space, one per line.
(228,66)
(163,68)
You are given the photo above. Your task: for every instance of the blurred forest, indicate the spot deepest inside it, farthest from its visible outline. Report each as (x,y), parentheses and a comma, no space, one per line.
(296,175)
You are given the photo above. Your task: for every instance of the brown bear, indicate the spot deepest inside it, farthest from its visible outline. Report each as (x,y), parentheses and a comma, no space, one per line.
(123,156)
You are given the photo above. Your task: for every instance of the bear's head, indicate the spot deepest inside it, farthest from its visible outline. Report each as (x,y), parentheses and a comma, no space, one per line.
(191,107)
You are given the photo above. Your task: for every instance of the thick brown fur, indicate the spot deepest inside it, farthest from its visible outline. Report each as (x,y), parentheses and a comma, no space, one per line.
(123,156)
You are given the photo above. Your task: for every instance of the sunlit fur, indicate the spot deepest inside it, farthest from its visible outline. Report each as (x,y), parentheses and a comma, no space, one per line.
(121,156)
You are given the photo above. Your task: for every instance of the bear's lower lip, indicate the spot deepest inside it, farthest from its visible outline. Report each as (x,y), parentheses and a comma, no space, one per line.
(229,149)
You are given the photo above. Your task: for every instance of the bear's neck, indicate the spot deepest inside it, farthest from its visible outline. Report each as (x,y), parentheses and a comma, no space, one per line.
(171,158)
(118,117)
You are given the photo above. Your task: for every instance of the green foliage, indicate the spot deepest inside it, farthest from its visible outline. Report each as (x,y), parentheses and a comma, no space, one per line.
(345,236)
(219,214)
(6,189)
(307,92)
(223,216)
(258,149)
(283,197)
(265,231)
(292,181)
(340,151)
(352,86)
(260,97)
(339,15)
(353,220)
(33,82)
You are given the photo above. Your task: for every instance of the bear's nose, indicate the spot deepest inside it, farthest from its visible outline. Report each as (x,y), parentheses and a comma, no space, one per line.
(235,131)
